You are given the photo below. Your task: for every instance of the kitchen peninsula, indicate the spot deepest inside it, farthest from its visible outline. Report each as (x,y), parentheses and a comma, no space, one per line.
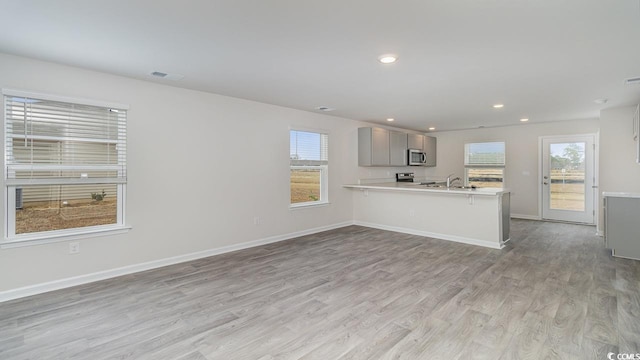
(473,216)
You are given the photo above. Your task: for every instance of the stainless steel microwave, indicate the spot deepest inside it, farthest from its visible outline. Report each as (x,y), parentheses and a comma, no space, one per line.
(417,157)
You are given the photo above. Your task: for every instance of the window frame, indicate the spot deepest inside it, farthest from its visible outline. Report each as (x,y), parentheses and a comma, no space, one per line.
(324,172)
(10,238)
(496,166)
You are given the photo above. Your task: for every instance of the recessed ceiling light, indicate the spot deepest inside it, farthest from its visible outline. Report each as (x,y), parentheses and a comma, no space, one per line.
(390,119)
(432,128)
(498,106)
(600,101)
(524,119)
(324,108)
(387,58)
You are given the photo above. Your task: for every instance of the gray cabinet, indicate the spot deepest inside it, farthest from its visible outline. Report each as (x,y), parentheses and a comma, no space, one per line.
(621,226)
(430,149)
(373,147)
(415,141)
(382,147)
(397,148)
(428,144)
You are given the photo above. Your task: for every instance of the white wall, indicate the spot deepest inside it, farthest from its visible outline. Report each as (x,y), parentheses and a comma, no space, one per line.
(200,168)
(521,171)
(618,168)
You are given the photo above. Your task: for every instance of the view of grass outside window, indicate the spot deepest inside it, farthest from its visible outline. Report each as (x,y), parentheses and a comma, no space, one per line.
(65,166)
(58,207)
(484,164)
(308,157)
(568,176)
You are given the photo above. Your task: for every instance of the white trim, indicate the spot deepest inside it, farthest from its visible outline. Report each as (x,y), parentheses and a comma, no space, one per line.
(526,217)
(308,205)
(65,99)
(130,269)
(454,238)
(308,129)
(595,201)
(54,236)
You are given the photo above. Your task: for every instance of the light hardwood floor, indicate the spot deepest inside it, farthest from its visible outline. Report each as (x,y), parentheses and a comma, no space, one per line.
(351,293)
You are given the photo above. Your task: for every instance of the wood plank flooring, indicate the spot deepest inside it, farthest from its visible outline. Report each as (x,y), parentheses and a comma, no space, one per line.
(351,293)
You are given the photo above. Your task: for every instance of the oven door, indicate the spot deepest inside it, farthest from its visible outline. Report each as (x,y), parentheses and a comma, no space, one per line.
(417,157)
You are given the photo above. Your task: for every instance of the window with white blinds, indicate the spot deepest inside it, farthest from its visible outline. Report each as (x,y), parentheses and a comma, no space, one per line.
(66,160)
(309,162)
(484,154)
(484,164)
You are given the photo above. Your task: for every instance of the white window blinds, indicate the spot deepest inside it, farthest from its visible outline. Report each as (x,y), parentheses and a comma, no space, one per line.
(54,142)
(484,154)
(308,148)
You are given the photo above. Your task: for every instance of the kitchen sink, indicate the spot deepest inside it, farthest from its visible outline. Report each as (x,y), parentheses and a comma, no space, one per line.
(440,186)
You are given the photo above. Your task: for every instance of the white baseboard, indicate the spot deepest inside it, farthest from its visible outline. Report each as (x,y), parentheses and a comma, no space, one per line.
(525,217)
(107,274)
(459,239)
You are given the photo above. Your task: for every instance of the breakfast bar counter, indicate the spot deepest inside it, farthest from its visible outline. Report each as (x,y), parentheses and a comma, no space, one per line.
(473,216)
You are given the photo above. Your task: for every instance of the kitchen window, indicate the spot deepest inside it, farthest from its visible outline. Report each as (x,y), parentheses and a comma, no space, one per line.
(65,167)
(309,166)
(484,164)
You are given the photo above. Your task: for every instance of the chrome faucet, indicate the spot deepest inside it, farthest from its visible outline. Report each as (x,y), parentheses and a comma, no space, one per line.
(450,180)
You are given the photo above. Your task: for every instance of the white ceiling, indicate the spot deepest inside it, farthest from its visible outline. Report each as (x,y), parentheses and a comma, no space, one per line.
(546,60)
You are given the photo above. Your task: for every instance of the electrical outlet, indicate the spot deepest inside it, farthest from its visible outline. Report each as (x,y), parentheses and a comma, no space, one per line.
(256,220)
(412,213)
(74,248)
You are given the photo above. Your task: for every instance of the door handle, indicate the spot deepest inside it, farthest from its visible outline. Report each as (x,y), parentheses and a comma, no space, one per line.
(546,183)
(545,177)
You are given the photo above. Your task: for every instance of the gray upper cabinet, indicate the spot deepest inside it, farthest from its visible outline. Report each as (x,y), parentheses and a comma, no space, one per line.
(428,144)
(430,149)
(416,141)
(373,147)
(398,148)
(382,147)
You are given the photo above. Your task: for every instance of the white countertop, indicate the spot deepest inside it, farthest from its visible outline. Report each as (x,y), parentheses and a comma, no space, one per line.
(620,194)
(416,187)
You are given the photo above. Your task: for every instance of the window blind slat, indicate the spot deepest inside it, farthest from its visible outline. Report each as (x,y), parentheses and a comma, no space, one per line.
(46,139)
(308,148)
(484,154)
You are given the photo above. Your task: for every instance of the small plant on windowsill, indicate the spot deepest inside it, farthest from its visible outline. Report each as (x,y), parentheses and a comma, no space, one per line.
(98,196)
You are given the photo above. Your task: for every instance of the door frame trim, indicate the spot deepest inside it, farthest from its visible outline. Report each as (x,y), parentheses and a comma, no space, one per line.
(596,173)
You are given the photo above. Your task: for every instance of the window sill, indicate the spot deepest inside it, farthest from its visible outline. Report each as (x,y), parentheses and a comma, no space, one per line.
(308,205)
(39,239)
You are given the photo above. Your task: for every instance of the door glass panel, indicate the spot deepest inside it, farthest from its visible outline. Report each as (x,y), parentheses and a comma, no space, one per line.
(567,169)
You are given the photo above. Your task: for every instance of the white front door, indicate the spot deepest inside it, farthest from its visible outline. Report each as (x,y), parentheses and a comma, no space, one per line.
(568,178)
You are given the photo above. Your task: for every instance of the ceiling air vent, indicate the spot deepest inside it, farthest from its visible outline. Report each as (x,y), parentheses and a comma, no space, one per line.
(162,75)
(633,81)
(324,108)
